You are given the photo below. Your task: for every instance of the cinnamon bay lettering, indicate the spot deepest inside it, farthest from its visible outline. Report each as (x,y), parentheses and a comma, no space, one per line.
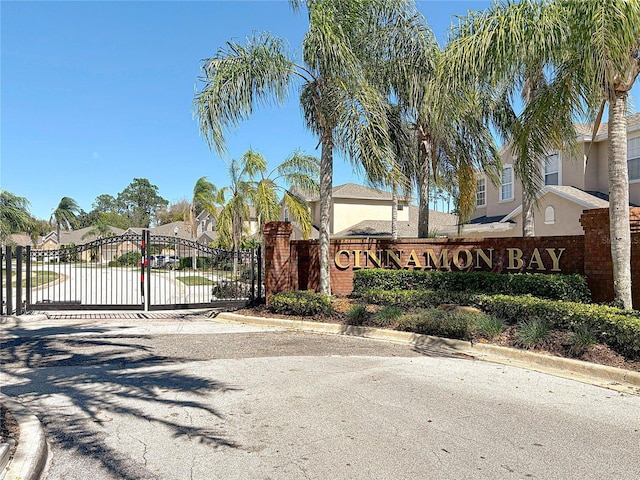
(462,259)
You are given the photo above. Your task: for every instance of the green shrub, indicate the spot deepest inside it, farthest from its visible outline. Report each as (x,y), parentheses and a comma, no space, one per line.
(555,287)
(357,314)
(488,327)
(410,299)
(581,340)
(129,259)
(300,303)
(387,315)
(433,321)
(533,333)
(620,329)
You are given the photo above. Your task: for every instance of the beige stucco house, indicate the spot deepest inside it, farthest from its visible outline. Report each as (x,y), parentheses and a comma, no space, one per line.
(572,184)
(359,211)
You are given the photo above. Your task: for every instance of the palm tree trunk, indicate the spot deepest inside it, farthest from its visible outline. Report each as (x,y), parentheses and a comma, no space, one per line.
(236,232)
(528,229)
(619,200)
(326,184)
(394,213)
(424,178)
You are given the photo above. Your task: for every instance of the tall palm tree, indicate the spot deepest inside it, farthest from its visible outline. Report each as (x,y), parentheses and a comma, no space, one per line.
(64,214)
(204,198)
(253,185)
(339,103)
(235,199)
(14,214)
(590,52)
(99,230)
(284,187)
(454,141)
(517,54)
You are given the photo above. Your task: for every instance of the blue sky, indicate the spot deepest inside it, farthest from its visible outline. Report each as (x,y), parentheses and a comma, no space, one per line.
(96,93)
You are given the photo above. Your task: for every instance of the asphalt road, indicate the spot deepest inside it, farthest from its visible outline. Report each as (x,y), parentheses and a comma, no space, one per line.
(195,399)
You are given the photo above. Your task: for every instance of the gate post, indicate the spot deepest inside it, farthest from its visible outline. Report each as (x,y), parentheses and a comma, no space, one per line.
(19,280)
(9,286)
(29,284)
(277,255)
(146,269)
(260,274)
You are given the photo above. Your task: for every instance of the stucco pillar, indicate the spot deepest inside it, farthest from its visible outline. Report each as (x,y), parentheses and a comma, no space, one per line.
(277,258)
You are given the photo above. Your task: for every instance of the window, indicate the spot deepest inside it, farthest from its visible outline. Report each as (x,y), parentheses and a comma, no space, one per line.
(552,170)
(400,207)
(506,191)
(633,158)
(549,215)
(481,193)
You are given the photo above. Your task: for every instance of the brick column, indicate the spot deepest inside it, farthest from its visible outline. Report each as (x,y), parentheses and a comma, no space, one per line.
(598,267)
(277,258)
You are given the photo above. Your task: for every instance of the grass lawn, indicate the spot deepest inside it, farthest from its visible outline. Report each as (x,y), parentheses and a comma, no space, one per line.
(192,281)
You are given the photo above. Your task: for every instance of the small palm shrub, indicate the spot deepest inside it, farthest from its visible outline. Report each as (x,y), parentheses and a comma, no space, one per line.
(488,327)
(357,314)
(387,315)
(532,333)
(581,340)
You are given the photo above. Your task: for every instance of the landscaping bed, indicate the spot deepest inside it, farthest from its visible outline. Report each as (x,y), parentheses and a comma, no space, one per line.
(480,307)
(557,343)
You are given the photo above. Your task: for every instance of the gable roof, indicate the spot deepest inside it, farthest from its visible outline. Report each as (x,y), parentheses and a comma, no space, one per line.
(406,229)
(355,191)
(20,239)
(81,236)
(573,194)
(586,129)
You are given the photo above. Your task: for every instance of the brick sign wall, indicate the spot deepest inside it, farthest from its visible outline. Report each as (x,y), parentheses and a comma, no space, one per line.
(505,255)
(294,265)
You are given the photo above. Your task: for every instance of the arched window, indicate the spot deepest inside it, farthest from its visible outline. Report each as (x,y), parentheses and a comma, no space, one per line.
(549,215)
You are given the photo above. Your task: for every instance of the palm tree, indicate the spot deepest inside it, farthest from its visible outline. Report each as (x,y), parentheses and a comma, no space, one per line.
(204,199)
(64,214)
(99,230)
(340,104)
(285,187)
(452,138)
(14,214)
(252,185)
(590,52)
(235,199)
(516,53)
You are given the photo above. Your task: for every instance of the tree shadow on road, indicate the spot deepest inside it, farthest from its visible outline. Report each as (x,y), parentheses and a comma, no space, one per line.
(423,344)
(74,384)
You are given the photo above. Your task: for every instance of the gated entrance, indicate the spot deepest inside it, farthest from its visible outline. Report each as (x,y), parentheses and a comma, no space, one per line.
(130,272)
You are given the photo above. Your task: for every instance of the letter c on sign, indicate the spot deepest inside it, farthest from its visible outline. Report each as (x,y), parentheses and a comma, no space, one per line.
(337,259)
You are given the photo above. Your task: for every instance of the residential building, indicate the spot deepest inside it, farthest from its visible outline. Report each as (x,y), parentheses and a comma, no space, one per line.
(359,211)
(572,184)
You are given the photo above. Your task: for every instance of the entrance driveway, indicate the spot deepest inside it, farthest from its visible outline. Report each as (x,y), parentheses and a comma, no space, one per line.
(189,398)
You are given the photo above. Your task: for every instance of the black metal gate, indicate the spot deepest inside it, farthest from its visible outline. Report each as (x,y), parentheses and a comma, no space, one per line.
(129,272)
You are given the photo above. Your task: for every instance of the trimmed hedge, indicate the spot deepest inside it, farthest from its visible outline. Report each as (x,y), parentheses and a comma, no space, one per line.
(303,303)
(620,329)
(555,287)
(433,321)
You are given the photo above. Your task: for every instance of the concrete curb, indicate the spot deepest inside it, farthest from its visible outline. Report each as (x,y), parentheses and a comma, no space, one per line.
(604,376)
(32,452)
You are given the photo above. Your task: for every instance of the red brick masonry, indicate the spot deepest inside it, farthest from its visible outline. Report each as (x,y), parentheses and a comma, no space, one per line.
(294,265)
